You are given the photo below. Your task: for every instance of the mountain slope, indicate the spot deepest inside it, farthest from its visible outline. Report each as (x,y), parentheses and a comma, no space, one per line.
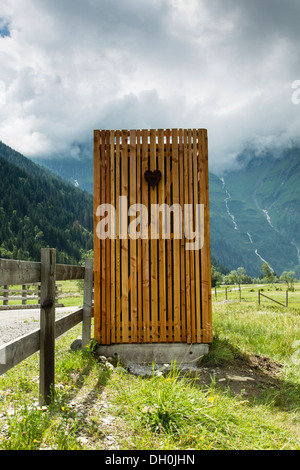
(78,172)
(265,203)
(229,245)
(38,209)
(254,209)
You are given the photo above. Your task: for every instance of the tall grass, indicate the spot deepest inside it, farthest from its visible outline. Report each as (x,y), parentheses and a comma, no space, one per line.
(173,412)
(269,331)
(169,411)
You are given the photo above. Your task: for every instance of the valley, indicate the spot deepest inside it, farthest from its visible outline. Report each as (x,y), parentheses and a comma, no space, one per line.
(254,208)
(265,204)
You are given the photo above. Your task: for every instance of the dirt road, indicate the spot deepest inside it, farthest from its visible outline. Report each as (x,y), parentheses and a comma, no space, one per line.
(16,323)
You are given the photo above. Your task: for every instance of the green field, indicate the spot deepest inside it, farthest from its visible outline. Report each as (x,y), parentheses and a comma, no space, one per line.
(249,293)
(246,394)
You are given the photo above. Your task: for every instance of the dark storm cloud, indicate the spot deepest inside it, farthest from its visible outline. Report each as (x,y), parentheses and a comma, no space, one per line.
(70,67)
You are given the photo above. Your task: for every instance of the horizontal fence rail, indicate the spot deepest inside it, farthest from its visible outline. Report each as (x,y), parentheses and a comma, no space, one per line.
(248,294)
(18,350)
(26,272)
(46,272)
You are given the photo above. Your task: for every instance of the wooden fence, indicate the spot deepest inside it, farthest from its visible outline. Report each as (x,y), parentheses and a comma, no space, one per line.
(29,295)
(218,294)
(46,272)
(151,289)
(273,300)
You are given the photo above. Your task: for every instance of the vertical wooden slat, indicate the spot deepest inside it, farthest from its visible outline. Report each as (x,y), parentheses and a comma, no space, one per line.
(24,294)
(139,241)
(154,246)
(187,253)
(133,243)
(197,261)
(47,325)
(161,243)
(118,242)
(5,295)
(145,244)
(108,241)
(87,302)
(97,248)
(103,242)
(124,242)
(112,241)
(182,241)
(169,242)
(192,253)
(176,243)
(205,252)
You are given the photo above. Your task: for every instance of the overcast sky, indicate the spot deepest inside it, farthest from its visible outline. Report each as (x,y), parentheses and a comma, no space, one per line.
(70,66)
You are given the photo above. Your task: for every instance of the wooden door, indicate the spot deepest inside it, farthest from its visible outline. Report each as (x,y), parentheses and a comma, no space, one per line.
(150,289)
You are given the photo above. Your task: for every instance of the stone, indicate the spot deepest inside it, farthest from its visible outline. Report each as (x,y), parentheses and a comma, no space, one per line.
(155,353)
(109,366)
(102,358)
(238,378)
(77,344)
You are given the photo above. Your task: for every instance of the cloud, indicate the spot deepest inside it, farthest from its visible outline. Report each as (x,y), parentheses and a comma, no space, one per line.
(227,66)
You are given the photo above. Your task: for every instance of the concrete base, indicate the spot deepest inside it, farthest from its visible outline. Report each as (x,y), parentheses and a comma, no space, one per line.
(158,353)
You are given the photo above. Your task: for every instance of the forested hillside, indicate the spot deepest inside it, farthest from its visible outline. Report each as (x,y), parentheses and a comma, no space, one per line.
(38,209)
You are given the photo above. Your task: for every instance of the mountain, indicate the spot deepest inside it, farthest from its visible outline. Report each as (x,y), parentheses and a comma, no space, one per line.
(261,220)
(254,208)
(39,209)
(78,172)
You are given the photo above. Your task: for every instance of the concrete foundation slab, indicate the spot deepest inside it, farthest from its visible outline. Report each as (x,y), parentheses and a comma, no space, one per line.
(158,353)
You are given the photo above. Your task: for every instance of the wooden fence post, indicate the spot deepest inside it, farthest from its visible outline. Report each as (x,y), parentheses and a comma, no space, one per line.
(225,293)
(47,324)
(24,294)
(87,302)
(5,295)
(258,296)
(39,293)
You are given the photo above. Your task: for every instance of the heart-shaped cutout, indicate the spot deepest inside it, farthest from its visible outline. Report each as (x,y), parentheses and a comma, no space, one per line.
(152,177)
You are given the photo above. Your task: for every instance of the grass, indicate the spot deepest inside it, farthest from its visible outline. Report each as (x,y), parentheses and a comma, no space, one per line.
(173,413)
(168,411)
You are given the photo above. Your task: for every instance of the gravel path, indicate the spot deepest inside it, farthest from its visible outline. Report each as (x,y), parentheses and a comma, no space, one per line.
(17,323)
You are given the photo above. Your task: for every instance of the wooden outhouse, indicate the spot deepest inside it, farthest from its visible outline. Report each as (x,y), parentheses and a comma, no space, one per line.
(150,286)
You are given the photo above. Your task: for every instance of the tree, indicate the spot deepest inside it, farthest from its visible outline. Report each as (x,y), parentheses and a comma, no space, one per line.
(216,277)
(237,276)
(288,278)
(269,274)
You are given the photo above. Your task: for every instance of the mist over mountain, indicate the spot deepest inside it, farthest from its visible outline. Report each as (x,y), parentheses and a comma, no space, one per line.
(254,206)
(77,171)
